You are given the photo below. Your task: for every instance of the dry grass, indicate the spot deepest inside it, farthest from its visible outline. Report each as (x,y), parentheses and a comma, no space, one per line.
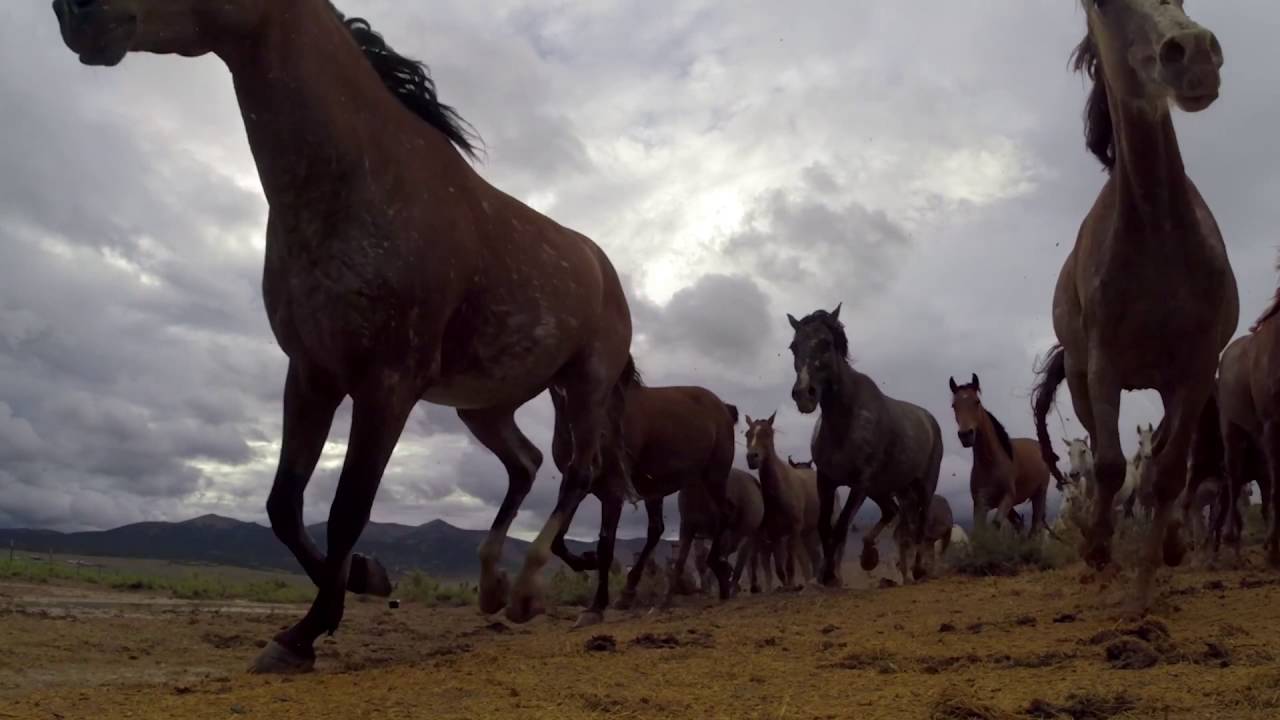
(1030,646)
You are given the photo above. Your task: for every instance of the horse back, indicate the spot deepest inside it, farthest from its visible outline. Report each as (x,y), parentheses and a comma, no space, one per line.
(677,430)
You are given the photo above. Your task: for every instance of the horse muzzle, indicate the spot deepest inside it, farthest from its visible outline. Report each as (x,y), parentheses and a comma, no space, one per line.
(96,30)
(966,438)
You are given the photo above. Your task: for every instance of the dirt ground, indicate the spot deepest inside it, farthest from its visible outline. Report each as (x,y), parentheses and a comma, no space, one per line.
(1038,645)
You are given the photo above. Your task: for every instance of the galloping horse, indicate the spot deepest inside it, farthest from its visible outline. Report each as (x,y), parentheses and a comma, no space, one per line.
(745,515)
(1006,472)
(674,439)
(1146,298)
(880,448)
(394,273)
(790,506)
(1249,404)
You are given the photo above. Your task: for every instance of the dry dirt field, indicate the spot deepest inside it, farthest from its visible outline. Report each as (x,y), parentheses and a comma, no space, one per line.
(1034,646)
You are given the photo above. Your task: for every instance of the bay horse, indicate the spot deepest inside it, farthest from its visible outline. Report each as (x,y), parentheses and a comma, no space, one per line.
(790,506)
(1006,472)
(674,439)
(393,273)
(1147,298)
(745,517)
(1248,401)
(880,448)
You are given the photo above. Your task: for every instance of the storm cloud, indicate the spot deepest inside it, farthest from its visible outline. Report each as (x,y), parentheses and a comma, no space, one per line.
(922,164)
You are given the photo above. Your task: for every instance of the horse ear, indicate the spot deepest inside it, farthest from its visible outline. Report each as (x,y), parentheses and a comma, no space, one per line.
(1139,428)
(835,314)
(795,324)
(952,381)
(1149,428)
(771,417)
(975,382)
(749,420)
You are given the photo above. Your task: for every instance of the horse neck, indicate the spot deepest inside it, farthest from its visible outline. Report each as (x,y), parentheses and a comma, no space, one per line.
(848,390)
(773,475)
(988,450)
(1149,177)
(313,106)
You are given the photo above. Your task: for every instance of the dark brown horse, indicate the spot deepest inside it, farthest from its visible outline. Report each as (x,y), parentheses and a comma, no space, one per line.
(1006,472)
(1146,298)
(1249,405)
(394,273)
(675,439)
(881,448)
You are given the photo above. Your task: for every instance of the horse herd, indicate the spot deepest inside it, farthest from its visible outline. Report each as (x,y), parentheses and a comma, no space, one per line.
(395,273)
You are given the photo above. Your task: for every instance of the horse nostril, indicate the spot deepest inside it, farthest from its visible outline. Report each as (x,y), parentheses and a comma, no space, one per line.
(1173,52)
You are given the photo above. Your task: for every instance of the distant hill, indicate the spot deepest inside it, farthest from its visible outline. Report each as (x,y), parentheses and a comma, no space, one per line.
(436,548)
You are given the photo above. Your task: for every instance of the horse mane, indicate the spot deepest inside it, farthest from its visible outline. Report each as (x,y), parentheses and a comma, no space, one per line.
(1270,311)
(631,377)
(833,326)
(1002,435)
(410,81)
(1099,132)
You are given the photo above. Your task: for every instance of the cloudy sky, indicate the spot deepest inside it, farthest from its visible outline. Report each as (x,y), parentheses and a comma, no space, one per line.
(922,163)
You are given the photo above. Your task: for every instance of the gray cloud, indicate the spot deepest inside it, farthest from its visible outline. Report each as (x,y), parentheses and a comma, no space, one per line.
(925,166)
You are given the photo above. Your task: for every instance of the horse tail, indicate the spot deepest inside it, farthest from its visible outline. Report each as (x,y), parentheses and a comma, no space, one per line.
(733,412)
(1051,374)
(629,377)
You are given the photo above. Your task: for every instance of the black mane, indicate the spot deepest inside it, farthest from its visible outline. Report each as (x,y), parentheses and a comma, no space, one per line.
(833,325)
(631,377)
(1002,435)
(1098,129)
(411,83)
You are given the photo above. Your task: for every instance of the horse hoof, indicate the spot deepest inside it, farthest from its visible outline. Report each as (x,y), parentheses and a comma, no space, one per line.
(493,595)
(526,603)
(588,618)
(276,659)
(870,558)
(1174,549)
(368,577)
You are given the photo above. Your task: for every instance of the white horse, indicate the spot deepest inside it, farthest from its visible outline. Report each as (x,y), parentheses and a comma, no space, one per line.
(1078,494)
(1137,484)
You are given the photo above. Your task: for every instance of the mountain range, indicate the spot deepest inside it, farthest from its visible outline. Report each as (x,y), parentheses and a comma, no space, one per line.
(436,548)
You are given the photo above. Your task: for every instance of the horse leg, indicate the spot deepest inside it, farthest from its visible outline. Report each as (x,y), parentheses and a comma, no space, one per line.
(610,514)
(496,430)
(677,566)
(814,554)
(1271,446)
(653,509)
(888,513)
(830,573)
(1169,467)
(745,555)
(826,502)
(1039,510)
(586,409)
(1109,460)
(309,406)
(377,420)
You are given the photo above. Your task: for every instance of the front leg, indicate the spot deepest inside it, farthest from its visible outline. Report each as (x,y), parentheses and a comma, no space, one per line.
(826,503)
(888,513)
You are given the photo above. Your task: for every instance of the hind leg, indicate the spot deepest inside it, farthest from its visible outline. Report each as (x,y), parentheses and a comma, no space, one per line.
(653,535)
(1169,467)
(1271,445)
(496,430)
(589,402)
(888,514)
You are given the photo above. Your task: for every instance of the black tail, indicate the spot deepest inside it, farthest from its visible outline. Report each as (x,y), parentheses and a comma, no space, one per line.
(733,412)
(630,377)
(1052,373)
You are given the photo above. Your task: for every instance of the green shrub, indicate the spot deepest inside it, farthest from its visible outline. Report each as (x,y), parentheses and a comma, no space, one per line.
(992,551)
(417,587)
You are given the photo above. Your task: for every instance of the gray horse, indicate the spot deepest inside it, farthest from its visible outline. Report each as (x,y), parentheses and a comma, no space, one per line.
(880,448)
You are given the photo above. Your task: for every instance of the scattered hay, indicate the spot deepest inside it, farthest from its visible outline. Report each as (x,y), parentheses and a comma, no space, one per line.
(955,705)
(1066,618)
(665,641)
(1131,653)
(602,643)
(1083,706)
(881,661)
